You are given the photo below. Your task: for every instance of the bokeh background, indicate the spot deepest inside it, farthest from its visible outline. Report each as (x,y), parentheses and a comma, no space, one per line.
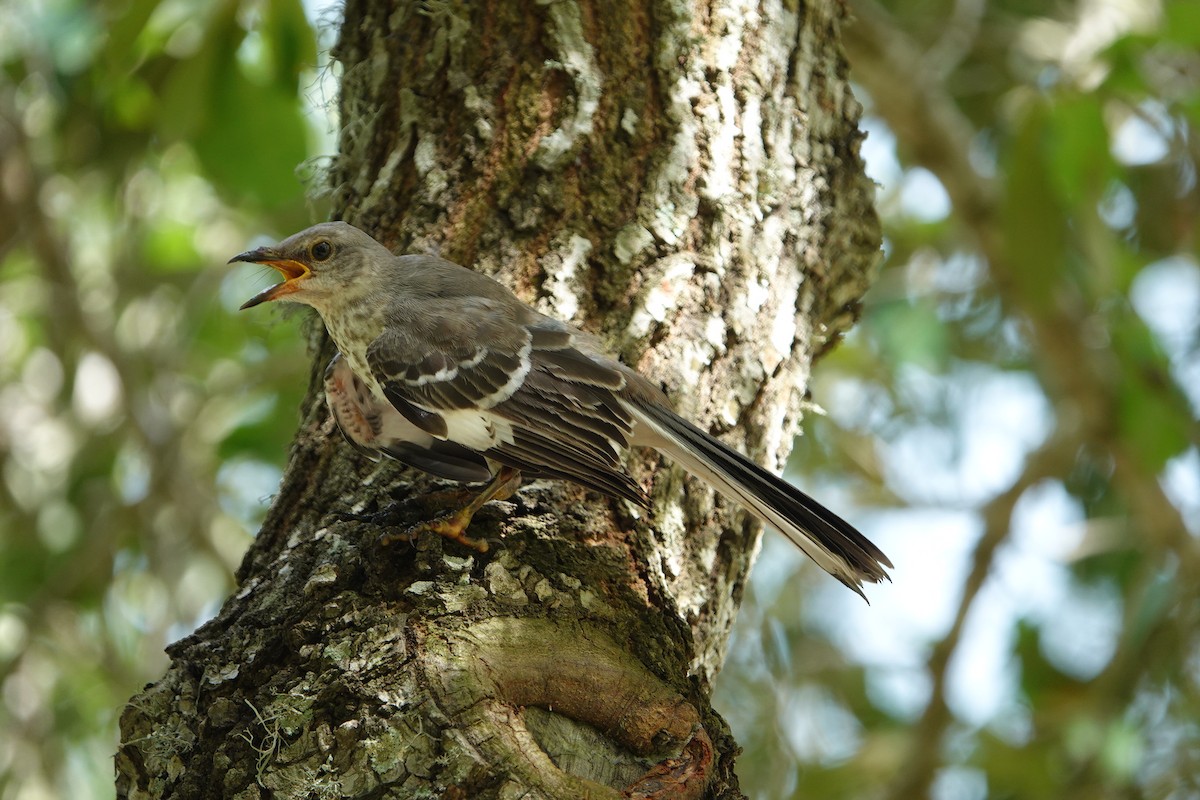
(1013,420)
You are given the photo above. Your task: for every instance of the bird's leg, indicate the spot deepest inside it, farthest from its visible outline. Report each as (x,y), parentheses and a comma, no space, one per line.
(449,497)
(454,525)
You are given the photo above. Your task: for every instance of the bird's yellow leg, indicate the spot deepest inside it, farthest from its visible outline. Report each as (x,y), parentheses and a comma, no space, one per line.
(454,525)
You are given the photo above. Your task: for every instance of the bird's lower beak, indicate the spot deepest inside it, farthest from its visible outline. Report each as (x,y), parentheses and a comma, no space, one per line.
(293,273)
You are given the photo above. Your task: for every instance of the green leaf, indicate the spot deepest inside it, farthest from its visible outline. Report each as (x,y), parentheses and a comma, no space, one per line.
(169,245)
(249,135)
(186,94)
(290,40)
(912,333)
(1079,164)
(244,113)
(1154,418)
(1034,221)
(1181,22)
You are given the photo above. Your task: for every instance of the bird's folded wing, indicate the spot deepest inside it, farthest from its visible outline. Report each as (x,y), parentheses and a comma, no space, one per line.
(518,390)
(373,427)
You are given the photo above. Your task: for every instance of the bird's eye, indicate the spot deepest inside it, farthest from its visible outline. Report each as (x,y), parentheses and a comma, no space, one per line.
(321,250)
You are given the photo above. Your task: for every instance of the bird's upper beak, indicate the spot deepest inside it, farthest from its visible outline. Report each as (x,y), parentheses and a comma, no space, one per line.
(293,273)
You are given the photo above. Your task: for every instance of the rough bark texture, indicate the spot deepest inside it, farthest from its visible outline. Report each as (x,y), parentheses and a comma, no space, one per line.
(682,180)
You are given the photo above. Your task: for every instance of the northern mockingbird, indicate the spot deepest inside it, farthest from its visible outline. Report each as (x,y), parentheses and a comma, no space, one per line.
(446,370)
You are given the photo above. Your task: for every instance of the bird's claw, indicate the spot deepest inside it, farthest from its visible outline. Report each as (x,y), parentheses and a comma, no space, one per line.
(451,526)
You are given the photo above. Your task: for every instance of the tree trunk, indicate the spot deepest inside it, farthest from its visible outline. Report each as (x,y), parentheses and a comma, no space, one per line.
(682,180)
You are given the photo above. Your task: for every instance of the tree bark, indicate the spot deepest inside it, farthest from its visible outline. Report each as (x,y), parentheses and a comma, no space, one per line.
(682,180)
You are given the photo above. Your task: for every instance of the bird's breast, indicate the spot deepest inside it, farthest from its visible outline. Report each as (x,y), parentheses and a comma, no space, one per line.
(353,334)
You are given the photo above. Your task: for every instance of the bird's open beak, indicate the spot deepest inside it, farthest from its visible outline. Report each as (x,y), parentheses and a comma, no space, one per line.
(292,271)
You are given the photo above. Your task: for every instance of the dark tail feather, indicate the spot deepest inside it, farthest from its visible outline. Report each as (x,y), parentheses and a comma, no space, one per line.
(825,537)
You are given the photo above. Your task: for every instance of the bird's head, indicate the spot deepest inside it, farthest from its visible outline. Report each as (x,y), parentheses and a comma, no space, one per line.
(318,264)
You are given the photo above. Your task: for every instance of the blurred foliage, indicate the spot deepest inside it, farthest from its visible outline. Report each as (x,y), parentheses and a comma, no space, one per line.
(143,420)
(1017,406)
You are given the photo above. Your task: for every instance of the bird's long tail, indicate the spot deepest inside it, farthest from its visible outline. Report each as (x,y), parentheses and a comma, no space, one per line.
(825,537)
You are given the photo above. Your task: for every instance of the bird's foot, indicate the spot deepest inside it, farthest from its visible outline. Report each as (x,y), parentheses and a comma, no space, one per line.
(452,526)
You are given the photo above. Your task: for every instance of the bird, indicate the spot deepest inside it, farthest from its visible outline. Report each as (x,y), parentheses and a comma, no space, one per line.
(446,370)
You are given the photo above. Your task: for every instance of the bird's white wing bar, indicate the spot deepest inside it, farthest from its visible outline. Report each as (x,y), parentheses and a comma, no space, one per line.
(374,427)
(446,376)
